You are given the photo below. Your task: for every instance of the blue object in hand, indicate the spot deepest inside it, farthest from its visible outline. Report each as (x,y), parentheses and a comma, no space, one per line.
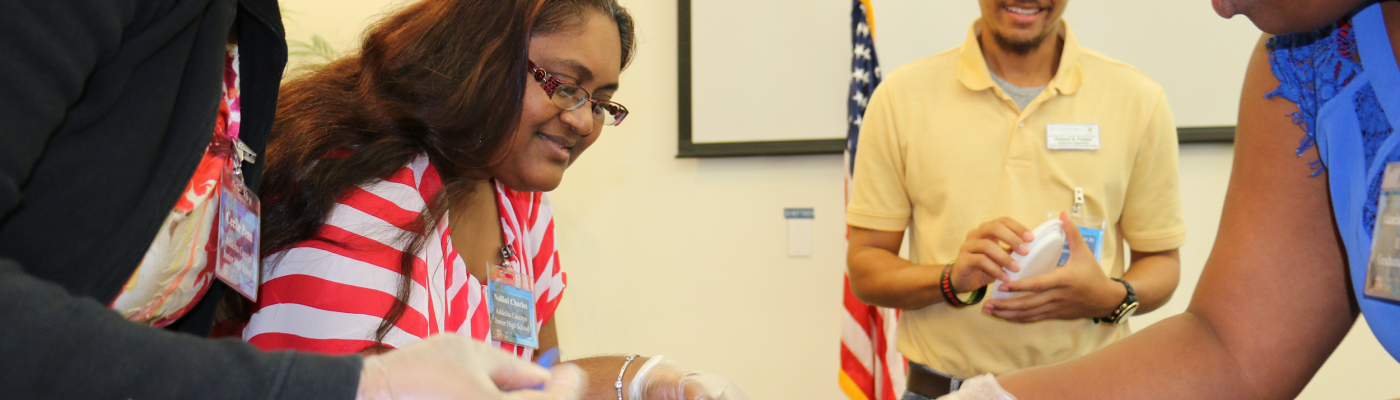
(547,360)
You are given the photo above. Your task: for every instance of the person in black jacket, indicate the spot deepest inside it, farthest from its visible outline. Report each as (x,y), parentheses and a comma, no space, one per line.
(106,107)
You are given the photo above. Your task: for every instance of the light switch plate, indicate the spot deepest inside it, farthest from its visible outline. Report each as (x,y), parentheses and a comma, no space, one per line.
(799,231)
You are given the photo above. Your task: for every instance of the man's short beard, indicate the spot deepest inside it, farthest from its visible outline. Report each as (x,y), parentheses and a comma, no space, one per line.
(1020,48)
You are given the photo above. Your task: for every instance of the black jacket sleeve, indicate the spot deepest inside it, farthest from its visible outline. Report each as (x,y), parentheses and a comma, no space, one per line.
(57,340)
(55,346)
(42,72)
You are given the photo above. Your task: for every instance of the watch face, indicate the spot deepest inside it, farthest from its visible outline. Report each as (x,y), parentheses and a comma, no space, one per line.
(1128,311)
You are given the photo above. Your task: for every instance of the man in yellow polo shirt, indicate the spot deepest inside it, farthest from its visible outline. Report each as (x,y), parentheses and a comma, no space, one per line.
(970,147)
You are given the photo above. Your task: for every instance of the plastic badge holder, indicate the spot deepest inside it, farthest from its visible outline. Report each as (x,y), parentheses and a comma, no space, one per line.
(1043,257)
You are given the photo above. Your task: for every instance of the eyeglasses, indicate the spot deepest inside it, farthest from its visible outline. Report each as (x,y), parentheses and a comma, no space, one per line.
(570,97)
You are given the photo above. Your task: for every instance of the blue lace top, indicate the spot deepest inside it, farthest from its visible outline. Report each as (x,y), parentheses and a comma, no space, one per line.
(1349,111)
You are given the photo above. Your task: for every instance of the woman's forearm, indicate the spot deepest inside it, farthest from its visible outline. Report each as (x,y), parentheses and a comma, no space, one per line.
(1151,364)
(602,375)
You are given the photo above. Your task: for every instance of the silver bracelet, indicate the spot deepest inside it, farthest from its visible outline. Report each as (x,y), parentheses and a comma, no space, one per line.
(618,384)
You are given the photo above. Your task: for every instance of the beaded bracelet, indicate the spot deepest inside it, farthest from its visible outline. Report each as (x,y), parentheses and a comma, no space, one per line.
(618,384)
(950,295)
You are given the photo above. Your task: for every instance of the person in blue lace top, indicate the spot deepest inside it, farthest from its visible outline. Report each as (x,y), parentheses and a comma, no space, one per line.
(1286,278)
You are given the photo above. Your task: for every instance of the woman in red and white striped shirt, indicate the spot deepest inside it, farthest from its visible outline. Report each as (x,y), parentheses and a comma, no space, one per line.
(400,178)
(331,293)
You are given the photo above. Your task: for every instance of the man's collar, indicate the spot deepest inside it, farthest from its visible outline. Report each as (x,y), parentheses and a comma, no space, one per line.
(974,74)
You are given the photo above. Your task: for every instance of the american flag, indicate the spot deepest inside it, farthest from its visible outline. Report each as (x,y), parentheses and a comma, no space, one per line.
(871,369)
(865,75)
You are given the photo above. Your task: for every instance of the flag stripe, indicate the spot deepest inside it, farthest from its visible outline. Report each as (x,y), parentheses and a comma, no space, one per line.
(852,368)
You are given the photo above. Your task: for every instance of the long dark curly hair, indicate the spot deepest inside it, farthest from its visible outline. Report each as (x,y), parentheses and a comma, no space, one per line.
(445,78)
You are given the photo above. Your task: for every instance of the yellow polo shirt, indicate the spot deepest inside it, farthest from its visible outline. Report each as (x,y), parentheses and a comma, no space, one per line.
(942,149)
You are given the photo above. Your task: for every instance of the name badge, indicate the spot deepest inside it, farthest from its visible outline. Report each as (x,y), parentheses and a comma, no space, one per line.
(512,303)
(512,315)
(1072,136)
(1093,237)
(1383,270)
(1091,229)
(237,262)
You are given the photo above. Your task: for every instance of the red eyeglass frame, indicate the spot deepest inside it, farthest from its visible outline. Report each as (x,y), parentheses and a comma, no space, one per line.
(551,84)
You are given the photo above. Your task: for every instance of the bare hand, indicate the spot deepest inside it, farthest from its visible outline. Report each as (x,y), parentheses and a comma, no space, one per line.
(985,257)
(669,380)
(450,366)
(1079,289)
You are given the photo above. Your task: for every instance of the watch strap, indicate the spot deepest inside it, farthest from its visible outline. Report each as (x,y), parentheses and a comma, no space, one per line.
(1130,303)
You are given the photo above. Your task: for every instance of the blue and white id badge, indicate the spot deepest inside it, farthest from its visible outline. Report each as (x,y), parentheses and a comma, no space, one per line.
(512,304)
(1092,230)
(1090,227)
(1383,270)
(237,258)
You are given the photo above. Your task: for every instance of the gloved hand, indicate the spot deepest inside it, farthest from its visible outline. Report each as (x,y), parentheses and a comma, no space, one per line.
(662,379)
(981,387)
(457,367)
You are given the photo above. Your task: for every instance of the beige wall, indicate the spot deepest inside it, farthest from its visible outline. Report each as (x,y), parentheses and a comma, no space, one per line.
(687,257)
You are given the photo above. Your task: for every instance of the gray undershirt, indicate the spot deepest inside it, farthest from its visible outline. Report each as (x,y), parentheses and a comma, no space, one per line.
(1022,96)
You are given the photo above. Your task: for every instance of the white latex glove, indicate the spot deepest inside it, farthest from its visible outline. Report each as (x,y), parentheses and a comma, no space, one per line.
(662,379)
(981,387)
(456,367)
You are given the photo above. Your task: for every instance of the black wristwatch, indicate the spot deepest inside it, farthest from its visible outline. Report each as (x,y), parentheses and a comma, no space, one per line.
(1125,310)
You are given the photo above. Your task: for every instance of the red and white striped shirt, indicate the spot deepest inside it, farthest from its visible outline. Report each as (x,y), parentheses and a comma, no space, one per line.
(330,294)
